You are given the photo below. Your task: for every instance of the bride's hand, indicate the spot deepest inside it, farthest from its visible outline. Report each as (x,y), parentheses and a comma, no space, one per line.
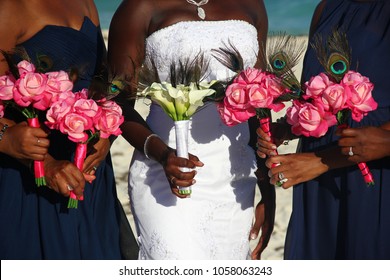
(175,176)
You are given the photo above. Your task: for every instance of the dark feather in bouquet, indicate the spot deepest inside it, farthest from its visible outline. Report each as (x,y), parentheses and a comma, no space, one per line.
(104,84)
(42,62)
(189,70)
(283,53)
(231,58)
(334,53)
(107,84)
(279,57)
(180,72)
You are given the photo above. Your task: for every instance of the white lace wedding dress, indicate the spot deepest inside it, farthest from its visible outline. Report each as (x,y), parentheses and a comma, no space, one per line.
(214,223)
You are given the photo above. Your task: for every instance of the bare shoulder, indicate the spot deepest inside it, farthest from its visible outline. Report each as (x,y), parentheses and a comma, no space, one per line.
(12,16)
(10,12)
(251,10)
(259,12)
(92,12)
(133,10)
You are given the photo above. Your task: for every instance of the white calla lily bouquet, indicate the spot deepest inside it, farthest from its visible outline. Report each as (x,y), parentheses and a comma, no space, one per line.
(179,102)
(181,96)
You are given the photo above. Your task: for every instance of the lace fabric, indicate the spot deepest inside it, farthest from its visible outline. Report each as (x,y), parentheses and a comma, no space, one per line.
(188,38)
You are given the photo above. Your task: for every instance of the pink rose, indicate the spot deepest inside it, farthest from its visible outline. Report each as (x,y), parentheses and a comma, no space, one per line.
(335,97)
(232,115)
(76,125)
(273,85)
(236,96)
(57,113)
(250,76)
(68,96)
(25,66)
(82,94)
(316,85)
(361,101)
(87,107)
(309,120)
(30,88)
(110,120)
(260,97)
(353,78)
(58,82)
(6,87)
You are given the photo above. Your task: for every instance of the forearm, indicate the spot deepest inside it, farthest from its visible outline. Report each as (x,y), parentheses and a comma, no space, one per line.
(137,135)
(267,190)
(4,142)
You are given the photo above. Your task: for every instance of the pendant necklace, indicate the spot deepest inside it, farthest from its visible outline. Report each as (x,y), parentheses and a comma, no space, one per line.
(201,12)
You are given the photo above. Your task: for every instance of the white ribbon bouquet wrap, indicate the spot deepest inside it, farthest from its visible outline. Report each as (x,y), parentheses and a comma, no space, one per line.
(180,102)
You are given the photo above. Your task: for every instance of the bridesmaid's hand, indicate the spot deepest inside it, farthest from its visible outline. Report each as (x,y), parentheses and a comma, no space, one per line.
(63,176)
(293,169)
(175,176)
(280,133)
(368,143)
(96,154)
(23,142)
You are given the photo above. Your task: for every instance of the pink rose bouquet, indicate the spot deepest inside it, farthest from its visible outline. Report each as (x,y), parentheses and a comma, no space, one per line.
(253,92)
(82,119)
(326,103)
(29,91)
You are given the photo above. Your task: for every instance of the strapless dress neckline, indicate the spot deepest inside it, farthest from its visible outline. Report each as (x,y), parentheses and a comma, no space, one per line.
(205,23)
(84,29)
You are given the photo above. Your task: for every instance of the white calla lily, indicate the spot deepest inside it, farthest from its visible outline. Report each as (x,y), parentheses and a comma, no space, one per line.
(158,93)
(179,102)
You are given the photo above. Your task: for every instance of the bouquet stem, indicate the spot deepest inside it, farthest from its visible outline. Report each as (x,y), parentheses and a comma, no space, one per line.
(181,130)
(367,175)
(265,125)
(39,171)
(79,157)
(368,178)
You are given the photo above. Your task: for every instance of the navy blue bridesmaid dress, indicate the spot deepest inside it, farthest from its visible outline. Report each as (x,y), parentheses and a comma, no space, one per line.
(336,216)
(35,222)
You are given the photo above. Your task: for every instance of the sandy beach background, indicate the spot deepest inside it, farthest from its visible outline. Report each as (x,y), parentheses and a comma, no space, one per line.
(121,153)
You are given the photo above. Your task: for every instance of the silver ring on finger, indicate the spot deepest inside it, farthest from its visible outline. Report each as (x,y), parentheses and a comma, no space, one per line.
(70,188)
(38,140)
(281,176)
(172,180)
(94,168)
(350,153)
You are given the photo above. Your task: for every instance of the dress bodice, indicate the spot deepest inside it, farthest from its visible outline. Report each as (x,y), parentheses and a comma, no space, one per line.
(68,48)
(186,39)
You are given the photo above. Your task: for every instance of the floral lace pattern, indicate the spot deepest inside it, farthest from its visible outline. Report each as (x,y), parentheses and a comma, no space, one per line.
(198,37)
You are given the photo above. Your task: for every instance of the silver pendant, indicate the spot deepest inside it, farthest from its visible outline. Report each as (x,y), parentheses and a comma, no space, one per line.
(201,13)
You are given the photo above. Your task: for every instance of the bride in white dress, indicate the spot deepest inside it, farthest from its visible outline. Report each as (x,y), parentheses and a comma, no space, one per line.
(215,221)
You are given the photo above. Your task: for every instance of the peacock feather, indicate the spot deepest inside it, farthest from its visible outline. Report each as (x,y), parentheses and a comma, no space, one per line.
(283,53)
(334,53)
